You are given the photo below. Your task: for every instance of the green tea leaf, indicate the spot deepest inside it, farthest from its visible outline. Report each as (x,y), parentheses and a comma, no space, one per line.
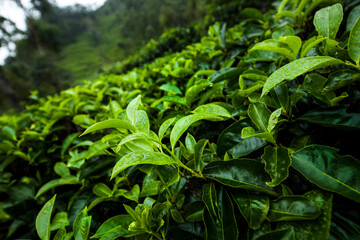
(67,142)
(176,215)
(184,123)
(66,180)
(43,219)
(327,20)
(194,211)
(352,17)
(336,117)
(322,166)
(259,114)
(61,169)
(102,190)
(277,163)
(141,157)
(230,140)
(354,39)
(164,126)
(294,42)
(296,68)
(59,221)
(198,150)
(309,44)
(60,234)
(272,45)
(81,226)
(289,208)
(113,222)
(112,123)
(254,207)
(242,173)
(225,73)
(132,108)
(249,132)
(213,109)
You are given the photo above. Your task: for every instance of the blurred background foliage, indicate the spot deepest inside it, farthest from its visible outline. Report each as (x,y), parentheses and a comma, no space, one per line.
(63,46)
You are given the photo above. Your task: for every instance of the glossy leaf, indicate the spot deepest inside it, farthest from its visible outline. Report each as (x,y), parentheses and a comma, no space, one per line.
(198,154)
(309,44)
(318,228)
(176,215)
(213,109)
(61,169)
(352,17)
(60,234)
(259,114)
(275,46)
(141,157)
(184,123)
(322,166)
(102,190)
(225,74)
(194,211)
(132,108)
(243,173)
(112,123)
(59,221)
(354,39)
(113,223)
(164,126)
(67,180)
(294,42)
(333,117)
(277,163)
(296,68)
(193,92)
(67,142)
(327,20)
(289,208)
(141,121)
(43,219)
(254,207)
(249,132)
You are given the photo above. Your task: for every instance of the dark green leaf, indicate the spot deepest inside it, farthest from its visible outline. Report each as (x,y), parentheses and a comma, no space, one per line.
(277,163)
(254,207)
(354,39)
(322,166)
(199,149)
(280,234)
(259,114)
(113,222)
(333,117)
(194,211)
(289,208)
(242,173)
(176,215)
(209,198)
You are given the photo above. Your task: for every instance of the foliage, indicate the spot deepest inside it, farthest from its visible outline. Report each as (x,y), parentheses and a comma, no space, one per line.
(247,134)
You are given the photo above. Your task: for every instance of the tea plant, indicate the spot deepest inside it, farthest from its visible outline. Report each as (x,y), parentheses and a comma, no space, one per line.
(248,134)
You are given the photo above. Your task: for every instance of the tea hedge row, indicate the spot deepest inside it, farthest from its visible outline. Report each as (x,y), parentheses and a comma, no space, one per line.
(247,134)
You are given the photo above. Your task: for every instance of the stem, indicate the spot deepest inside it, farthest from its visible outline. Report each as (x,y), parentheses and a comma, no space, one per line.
(180,163)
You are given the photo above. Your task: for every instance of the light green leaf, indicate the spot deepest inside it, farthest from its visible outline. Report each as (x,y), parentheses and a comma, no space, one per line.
(190,142)
(296,68)
(137,136)
(61,169)
(141,157)
(277,163)
(273,119)
(184,123)
(60,220)
(132,108)
(83,120)
(112,123)
(164,126)
(259,114)
(102,190)
(309,44)
(112,223)
(254,207)
(213,109)
(289,208)
(199,149)
(248,132)
(272,45)
(60,234)
(322,166)
(354,40)
(294,42)
(81,226)
(9,132)
(141,121)
(327,20)
(43,219)
(67,142)
(168,87)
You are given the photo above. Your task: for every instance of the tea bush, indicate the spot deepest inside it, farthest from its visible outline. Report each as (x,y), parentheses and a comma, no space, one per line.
(248,134)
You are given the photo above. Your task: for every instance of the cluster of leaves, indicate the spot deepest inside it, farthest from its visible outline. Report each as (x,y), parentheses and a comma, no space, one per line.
(247,134)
